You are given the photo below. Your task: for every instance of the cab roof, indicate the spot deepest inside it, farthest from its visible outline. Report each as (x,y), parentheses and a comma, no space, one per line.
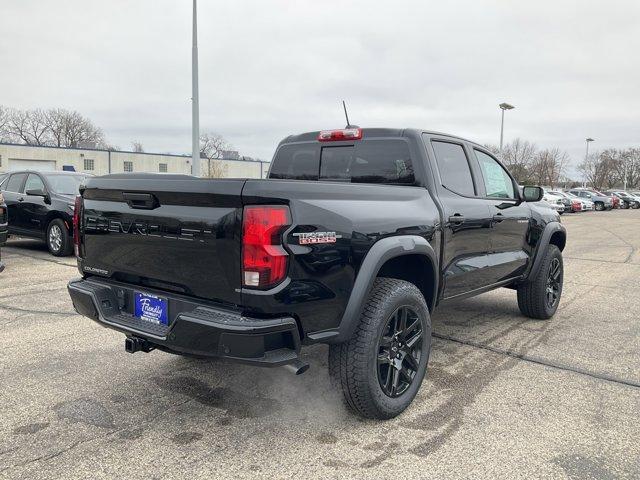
(375,133)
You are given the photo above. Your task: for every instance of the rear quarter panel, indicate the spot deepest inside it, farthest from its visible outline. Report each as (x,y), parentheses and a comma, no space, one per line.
(321,276)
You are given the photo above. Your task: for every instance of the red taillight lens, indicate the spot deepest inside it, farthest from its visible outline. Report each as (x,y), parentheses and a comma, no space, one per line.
(264,260)
(77,215)
(338,135)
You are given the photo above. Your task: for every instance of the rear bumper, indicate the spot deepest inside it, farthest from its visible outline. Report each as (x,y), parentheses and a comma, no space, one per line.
(195,328)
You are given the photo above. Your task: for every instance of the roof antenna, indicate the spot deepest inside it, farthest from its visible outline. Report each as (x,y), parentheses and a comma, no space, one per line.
(344,105)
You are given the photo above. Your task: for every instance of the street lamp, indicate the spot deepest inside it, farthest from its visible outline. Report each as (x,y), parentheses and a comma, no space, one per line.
(586,158)
(503,106)
(195,108)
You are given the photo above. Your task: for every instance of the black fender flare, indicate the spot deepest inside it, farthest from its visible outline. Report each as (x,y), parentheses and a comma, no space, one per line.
(545,239)
(381,251)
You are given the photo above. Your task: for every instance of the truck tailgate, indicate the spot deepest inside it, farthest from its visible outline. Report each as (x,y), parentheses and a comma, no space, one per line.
(144,229)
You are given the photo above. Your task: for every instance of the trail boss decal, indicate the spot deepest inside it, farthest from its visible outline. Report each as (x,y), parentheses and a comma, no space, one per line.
(316,237)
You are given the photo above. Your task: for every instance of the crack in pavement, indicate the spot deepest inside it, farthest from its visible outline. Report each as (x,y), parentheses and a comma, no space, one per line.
(35,291)
(26,310)
(539,360)
(10,251)
(600,261)
(70,447)
(633,249)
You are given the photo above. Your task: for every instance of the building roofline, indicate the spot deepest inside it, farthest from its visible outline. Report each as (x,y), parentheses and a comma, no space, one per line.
(177,155)
(94,149)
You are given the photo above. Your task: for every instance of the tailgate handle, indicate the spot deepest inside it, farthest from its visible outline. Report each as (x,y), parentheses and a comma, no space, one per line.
(141,201)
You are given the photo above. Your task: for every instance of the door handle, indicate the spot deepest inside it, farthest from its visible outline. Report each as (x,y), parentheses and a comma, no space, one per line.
(456,218)
(142,201)
(21,199)
(498,218)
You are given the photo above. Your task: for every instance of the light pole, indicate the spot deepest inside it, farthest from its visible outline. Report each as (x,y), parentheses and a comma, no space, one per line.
(503,106)
(586,158)
(195,109)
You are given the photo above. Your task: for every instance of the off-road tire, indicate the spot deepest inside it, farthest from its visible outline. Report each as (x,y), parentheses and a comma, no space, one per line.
(65,245)
(532,295)
(353,364)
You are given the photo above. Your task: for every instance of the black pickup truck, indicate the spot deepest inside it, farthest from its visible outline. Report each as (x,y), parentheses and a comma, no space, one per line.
(353,240)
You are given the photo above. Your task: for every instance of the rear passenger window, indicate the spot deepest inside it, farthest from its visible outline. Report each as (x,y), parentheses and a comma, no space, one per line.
(371,161)
(15,182)
(454,168)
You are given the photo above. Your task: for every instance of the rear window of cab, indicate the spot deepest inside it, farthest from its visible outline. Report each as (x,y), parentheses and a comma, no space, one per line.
(368,161)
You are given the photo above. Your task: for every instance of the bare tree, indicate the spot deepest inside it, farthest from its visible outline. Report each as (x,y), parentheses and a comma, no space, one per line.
(599,168)
(80,129)
(28,126)
(4,121)
(626,166)
(137,147)
(57,119)
(212,146)
(548,167)
(518,156)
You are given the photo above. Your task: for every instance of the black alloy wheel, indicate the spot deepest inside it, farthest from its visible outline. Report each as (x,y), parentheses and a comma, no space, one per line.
(553,283)
(399,351)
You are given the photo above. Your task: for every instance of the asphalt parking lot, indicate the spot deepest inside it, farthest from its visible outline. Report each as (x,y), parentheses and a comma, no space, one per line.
(504,397)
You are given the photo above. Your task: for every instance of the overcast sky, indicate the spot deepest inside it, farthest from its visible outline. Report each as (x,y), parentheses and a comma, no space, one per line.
(271,68)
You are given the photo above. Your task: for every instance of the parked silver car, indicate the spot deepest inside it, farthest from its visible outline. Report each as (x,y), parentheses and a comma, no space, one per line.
(602,202)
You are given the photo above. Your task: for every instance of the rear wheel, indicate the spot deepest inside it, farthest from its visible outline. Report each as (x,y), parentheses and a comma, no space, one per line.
(599,206)
(58,239)
(540,296)
(380,369)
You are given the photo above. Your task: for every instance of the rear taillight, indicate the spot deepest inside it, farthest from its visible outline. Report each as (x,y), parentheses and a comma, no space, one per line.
(77,215)
(264,260)
(339,135)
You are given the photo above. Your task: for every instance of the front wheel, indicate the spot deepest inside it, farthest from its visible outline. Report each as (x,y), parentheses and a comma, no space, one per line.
(599,206)
(380,369)
(59,240)
(539,296)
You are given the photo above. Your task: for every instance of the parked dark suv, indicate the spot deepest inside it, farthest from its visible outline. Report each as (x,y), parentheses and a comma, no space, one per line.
(40,205)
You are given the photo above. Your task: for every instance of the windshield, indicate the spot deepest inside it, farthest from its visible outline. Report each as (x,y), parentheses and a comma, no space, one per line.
(65,184)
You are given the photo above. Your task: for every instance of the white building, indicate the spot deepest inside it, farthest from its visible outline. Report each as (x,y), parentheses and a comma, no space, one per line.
(101,162)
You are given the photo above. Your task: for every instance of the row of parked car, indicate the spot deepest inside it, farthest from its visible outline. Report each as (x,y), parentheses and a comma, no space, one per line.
(585,199)
(40,205)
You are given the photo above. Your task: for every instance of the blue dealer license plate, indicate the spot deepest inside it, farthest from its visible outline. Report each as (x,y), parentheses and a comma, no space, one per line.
(151,308)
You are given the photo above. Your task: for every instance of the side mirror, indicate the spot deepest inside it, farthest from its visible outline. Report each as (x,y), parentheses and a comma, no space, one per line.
(532,194)
(37,193)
